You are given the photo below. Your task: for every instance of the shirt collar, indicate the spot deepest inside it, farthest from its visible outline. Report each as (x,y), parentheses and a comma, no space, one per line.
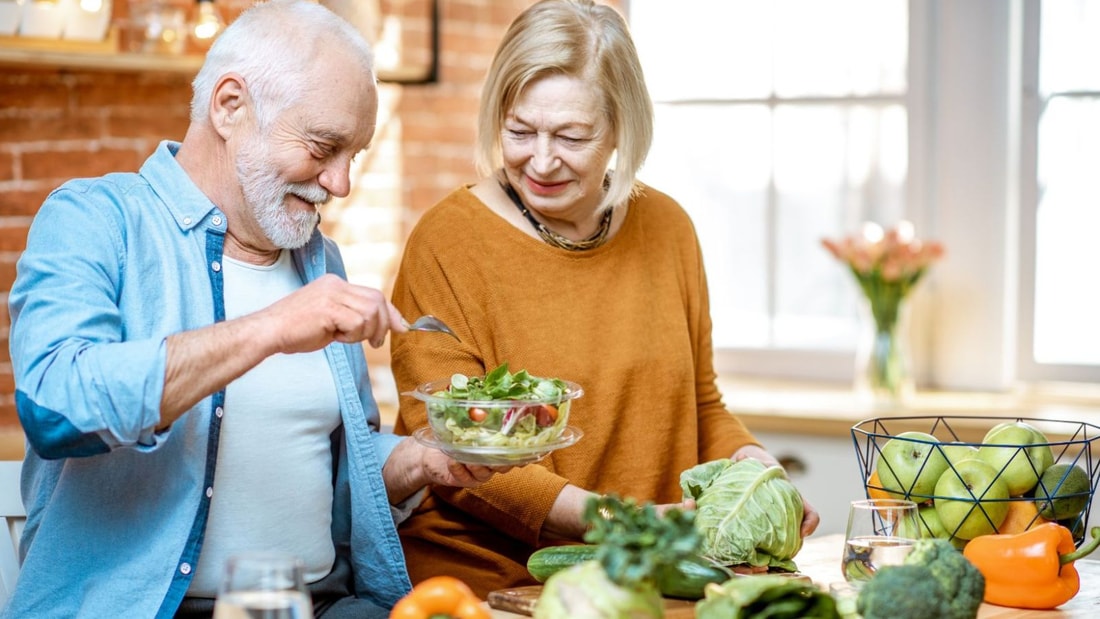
(187,204)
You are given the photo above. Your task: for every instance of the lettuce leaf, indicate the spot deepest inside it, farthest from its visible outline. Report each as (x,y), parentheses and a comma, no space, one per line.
(769,595)
(746,513)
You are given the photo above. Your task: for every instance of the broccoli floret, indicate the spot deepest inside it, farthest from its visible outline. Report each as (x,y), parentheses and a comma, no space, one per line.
(903,592)
(962,583)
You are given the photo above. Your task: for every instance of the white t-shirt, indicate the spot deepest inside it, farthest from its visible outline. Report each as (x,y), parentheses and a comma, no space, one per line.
(273,484)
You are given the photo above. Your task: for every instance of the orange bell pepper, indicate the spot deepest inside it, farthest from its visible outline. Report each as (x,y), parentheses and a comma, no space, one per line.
(1033,569)
(440,596)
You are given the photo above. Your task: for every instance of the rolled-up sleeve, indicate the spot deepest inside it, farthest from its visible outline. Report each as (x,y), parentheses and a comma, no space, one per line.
(80,389)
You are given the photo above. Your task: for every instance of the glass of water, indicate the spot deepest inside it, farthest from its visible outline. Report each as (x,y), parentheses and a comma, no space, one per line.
(263,586)
(880,532)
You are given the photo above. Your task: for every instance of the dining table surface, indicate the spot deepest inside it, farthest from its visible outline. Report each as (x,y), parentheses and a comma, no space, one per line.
(819,559)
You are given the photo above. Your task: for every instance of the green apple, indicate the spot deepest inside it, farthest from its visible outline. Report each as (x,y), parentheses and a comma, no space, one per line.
(1019,452)
(910,464)
(956,452)
(928,525)
(971,499)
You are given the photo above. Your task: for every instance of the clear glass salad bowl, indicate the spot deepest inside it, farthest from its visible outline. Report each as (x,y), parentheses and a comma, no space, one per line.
(527,420)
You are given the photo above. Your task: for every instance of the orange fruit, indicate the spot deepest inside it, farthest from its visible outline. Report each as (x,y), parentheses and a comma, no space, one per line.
(876,491)
(1021,516)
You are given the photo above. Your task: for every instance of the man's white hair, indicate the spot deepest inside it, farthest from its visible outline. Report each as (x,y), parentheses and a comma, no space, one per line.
(274,46)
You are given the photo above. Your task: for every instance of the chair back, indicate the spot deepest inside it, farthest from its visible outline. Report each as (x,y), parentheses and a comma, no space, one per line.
(12,517)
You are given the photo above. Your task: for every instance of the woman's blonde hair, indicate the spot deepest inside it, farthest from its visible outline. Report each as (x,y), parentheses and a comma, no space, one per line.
(577,38)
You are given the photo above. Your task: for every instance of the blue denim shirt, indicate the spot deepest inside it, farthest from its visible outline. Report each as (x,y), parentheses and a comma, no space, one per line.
(115,509)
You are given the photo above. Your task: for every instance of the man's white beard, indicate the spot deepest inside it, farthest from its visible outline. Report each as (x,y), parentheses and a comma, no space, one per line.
(266,195)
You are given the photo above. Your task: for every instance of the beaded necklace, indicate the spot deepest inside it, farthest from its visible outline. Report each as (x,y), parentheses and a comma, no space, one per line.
(553,238)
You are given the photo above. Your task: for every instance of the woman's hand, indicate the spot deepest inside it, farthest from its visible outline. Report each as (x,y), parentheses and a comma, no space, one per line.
(686,505)
(411,466)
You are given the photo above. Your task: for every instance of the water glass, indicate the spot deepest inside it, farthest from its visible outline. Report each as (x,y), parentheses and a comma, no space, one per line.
(880,532)
(263,586)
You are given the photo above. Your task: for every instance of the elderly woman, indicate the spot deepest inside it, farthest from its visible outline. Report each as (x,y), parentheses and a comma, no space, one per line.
(560,262)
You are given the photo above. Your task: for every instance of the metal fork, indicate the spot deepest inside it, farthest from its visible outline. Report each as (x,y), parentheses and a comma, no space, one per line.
(430,323)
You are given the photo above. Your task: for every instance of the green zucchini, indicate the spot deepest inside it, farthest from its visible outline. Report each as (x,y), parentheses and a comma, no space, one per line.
(684,580)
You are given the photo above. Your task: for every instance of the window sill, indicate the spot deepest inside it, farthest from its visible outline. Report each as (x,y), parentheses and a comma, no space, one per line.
(831,409)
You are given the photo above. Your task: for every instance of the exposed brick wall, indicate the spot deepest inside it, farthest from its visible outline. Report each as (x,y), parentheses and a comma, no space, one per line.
(56,125)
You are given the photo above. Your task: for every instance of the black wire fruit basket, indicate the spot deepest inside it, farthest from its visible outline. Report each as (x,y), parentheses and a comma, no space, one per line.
(981,475)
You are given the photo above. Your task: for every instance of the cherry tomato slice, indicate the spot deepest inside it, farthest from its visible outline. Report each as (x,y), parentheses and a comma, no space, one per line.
(546,415)
(477,414)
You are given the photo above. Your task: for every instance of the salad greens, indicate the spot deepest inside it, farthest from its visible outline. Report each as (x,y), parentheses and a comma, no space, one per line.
(635,544)
(501,409)
(500,384)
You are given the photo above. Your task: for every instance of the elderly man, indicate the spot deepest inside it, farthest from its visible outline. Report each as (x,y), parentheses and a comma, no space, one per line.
(188,357)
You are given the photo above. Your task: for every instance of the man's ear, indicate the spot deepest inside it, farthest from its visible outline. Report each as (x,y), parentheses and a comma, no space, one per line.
(228,104)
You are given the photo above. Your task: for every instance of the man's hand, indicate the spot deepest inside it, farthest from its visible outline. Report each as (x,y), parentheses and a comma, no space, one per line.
(330,309)
(204,360)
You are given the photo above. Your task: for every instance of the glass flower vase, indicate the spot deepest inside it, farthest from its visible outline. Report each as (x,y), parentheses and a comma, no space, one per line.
(883,372)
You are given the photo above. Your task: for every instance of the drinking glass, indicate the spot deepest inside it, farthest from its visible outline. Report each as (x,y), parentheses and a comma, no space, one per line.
(263,586)
(880,532)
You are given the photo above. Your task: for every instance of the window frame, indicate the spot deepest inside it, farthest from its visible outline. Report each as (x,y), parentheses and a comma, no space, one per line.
(973,109)
(1031,107)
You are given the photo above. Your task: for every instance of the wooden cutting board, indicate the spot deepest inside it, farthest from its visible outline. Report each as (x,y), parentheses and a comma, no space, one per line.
(521,601)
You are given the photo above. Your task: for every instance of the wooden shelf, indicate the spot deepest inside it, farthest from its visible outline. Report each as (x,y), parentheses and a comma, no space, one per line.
(89,61)
(30,53)
(54,54)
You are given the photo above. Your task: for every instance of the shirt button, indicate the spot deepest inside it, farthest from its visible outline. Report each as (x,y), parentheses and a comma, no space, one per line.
(187,221)
(185,568)
(209,492)
(218,412)
(217,266)
(217,221)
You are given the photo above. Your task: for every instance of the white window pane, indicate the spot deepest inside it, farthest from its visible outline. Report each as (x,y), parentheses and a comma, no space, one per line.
(839,48)
(714,161)
(1067,299)
(704,49)
(765,176)
(1070,45)
(835,167)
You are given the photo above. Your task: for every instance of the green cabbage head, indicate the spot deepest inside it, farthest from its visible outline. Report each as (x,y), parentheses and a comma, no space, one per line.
(746,512)
(584,591)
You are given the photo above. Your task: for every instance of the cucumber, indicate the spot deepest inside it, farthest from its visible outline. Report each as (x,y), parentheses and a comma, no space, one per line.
(544,562)
(689,577)
(684,580)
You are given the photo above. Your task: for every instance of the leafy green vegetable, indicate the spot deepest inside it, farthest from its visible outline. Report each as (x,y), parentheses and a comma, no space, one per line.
(634,542)
(770,595)
(634,545)
(585,592)
(747,513)
(499,384)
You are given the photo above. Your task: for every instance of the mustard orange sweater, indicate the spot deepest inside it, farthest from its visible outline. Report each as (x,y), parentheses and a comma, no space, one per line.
(628,321)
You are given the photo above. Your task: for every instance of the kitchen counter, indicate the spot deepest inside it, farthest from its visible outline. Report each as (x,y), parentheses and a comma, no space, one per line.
(820,560)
